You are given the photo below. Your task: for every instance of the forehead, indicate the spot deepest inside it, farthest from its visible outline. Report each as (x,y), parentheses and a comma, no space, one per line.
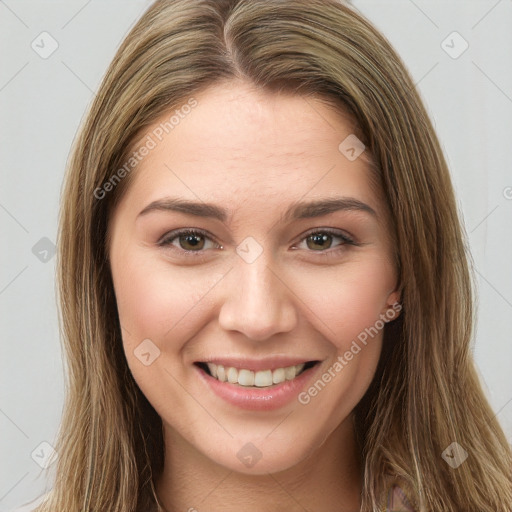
(244,146)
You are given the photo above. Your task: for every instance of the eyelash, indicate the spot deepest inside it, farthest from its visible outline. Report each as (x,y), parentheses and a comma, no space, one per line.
(168,238)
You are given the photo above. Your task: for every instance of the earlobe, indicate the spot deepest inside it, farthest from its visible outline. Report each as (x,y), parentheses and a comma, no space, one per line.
(393,306)
(394,297)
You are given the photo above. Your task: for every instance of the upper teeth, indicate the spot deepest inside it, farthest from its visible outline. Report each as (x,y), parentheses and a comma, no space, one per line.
(249,378)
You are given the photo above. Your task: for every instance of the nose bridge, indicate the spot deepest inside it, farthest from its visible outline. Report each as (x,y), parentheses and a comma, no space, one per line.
(257,302)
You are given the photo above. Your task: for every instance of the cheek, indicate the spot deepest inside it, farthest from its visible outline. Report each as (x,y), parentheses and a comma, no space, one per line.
(347,301)
(156,300)
(162,304)
(348,314)
(147,304)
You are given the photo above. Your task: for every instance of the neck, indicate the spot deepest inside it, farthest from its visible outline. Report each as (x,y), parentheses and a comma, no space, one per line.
(326,480)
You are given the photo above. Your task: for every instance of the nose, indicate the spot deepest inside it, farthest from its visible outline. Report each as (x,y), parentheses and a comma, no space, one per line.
(258,302)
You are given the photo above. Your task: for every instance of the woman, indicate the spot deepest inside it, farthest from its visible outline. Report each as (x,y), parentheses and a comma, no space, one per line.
(224,350)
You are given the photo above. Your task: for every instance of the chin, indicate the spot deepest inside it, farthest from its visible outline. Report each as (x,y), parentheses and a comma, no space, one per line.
(250,459)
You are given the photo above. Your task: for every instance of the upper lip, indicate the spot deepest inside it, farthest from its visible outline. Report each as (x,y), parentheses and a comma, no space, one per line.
(269,363)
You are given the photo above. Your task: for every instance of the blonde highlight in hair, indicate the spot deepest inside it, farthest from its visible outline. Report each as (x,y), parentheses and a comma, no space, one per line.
(426,393)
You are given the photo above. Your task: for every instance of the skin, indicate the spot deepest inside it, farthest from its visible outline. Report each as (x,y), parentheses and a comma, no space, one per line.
(254,153)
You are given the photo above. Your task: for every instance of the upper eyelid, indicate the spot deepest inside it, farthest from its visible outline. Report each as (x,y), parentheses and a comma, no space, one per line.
(171,235)
(331,231)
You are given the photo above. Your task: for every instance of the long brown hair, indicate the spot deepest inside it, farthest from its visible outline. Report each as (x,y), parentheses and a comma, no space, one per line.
(425,394)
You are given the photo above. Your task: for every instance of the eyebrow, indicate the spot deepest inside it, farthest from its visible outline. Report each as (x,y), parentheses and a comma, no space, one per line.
(297,210)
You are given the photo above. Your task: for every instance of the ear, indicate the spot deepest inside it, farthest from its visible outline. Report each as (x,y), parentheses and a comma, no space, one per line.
(393,306)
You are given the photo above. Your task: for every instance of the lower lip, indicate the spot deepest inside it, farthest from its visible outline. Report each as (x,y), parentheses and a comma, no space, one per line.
(258,399)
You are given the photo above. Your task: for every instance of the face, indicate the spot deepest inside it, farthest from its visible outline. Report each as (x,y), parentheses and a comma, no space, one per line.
(253,273)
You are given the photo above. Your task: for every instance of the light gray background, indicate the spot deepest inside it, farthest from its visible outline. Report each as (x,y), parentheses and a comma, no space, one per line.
(43,100)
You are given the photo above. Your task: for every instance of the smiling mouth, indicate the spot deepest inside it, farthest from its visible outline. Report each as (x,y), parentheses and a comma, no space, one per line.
(256,379)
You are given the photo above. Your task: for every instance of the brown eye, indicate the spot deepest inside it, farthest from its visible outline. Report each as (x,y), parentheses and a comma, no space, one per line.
(190,241)
(320,241)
